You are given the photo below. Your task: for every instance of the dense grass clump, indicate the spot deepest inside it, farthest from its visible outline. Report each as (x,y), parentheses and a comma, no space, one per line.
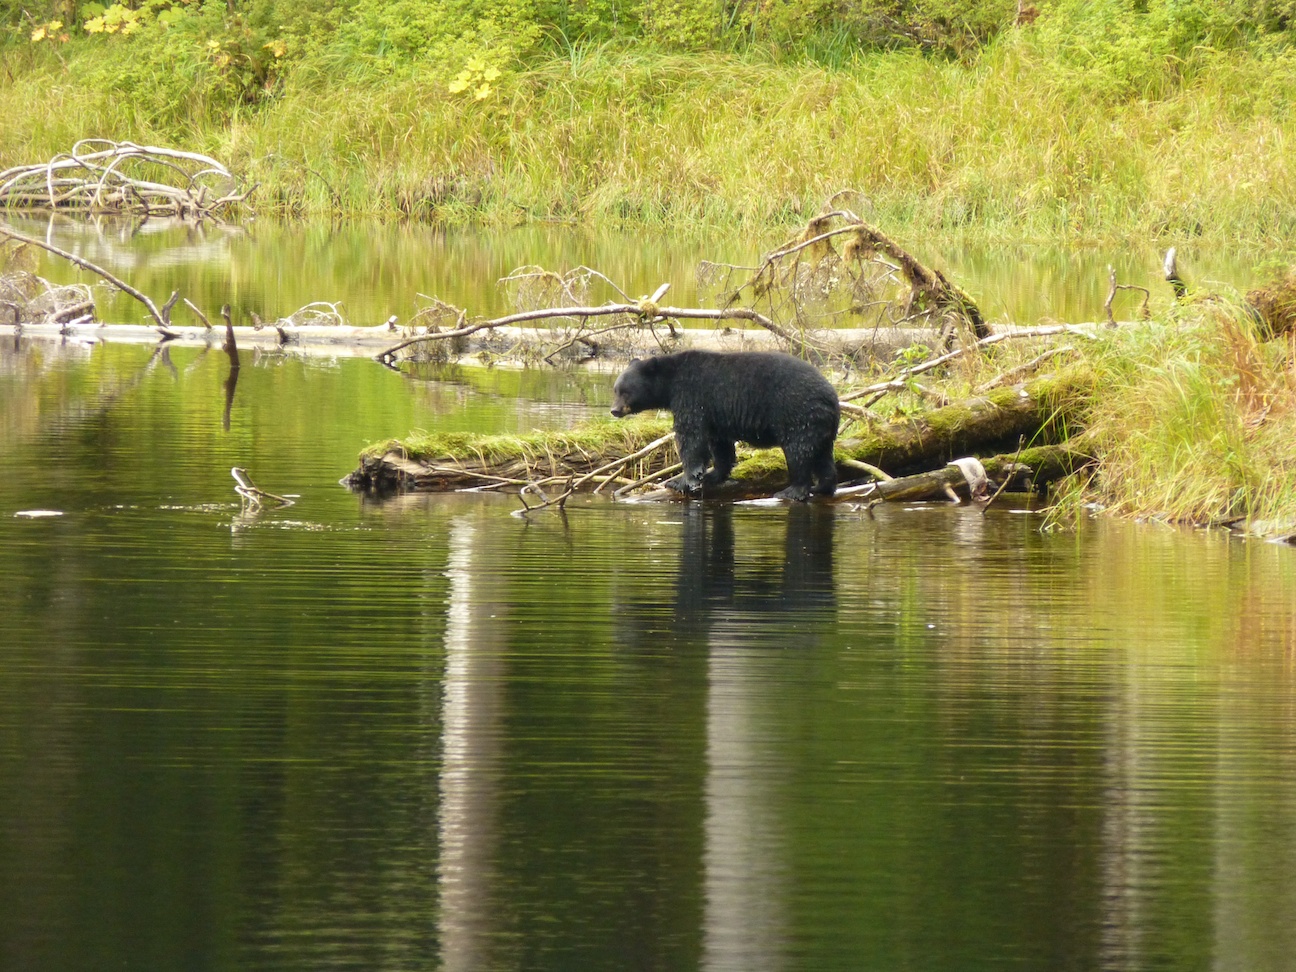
(1193,419)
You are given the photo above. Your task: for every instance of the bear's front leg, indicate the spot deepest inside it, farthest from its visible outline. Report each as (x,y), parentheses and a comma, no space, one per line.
(694,452)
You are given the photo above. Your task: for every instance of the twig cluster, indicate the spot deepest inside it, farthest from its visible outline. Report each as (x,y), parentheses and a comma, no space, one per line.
(162,317)
(798,281)
(103,176)
(789,293)
(28,299)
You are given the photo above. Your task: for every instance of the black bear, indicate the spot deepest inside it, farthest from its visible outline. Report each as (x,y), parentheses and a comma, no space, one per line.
(762,398)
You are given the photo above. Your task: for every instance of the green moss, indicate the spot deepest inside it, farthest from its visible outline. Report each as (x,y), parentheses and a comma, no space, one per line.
(605,439)
(760,464)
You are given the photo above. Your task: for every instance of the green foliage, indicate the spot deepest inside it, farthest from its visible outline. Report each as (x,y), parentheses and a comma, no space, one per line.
(1160,118)
(1120,49)
(384,35)
(948,26)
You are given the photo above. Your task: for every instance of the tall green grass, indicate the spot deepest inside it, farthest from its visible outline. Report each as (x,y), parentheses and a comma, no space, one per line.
(1021,142)
(1193,419)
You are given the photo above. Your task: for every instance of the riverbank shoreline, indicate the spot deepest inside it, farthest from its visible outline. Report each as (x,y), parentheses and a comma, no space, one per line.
(1019,142)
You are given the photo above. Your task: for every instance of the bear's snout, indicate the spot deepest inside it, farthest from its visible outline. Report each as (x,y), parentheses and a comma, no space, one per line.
(619,410)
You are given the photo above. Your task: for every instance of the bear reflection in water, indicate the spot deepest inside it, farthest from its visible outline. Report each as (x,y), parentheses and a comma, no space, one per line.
(733,572)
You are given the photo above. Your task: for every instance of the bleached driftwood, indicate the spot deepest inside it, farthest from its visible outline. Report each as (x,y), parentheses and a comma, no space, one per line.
(103,176)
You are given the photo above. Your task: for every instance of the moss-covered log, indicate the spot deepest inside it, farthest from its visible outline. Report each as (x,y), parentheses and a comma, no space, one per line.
(1035,468)
(625,452)
(450,461)
(1044,411)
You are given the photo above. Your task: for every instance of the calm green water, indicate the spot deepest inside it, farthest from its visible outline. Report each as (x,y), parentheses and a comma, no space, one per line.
(375,271)
(428,734)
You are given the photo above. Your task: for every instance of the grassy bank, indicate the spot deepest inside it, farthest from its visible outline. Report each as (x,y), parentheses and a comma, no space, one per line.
(1193,419)
(1063,129)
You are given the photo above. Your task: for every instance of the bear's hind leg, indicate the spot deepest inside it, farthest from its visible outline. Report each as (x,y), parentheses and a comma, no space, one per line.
(825,471)
(800,465)
(723,457)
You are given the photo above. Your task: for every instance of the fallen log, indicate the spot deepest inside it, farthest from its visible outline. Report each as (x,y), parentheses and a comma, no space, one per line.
(1032,469)
(591,457)
(463,461)
(1041,411)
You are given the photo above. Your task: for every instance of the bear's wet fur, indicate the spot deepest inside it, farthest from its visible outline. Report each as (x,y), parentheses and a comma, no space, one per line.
(763,398)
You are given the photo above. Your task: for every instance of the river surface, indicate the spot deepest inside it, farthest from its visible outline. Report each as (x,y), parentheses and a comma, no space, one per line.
(425,733)
(371,272)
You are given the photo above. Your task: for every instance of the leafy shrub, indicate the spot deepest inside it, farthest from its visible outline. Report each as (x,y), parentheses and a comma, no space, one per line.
(1118,50)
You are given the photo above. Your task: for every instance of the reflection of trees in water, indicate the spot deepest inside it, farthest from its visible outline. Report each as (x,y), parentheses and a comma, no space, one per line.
(745,861)
(701,877)
(1068,747)
(472,712)
(742,595)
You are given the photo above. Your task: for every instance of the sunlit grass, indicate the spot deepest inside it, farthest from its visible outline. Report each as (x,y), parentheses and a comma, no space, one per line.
(1193,418)
(1005,146)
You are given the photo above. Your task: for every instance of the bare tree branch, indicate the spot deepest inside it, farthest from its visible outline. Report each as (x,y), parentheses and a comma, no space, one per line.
(93,268)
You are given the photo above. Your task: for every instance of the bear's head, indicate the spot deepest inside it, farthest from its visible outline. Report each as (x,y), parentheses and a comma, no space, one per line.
(641,386)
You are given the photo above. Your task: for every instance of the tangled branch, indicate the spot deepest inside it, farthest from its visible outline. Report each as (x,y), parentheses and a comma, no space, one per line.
(103,176)
(161,317)
(646,312)
(810,267)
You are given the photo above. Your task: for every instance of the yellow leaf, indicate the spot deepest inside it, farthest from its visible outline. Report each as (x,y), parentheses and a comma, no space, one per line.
(475,65)
(457,85)
(38,35)
(482,92)
(54,25)
(491,74)
(95,26)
